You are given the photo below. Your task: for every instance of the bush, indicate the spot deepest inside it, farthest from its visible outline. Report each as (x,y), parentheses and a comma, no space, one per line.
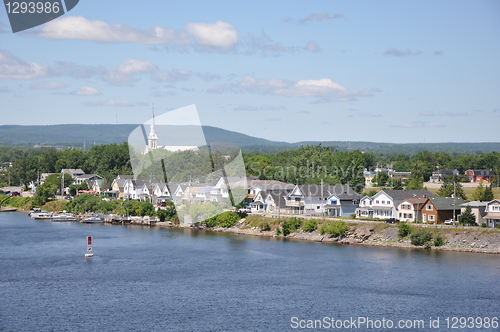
(278,231)
(353,216)
(310,225)
(265,226)
(421,237)
(438,240)
(290,225)
(404,229)
(225,219)
(484,225)
(334,228)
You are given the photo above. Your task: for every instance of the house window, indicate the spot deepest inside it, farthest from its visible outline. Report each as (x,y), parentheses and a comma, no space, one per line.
(431,217)
(376,202)
(495,208)
(317,207)
(429,208)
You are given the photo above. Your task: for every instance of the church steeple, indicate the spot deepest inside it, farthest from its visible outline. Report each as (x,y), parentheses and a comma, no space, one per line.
(152,138)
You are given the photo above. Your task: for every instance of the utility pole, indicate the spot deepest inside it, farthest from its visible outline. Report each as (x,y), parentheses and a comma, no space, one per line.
(454,195)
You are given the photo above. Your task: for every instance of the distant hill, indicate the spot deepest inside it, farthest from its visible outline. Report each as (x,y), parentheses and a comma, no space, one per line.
(76,134)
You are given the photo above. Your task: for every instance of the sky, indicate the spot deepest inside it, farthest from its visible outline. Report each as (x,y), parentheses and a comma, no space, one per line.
(381,71)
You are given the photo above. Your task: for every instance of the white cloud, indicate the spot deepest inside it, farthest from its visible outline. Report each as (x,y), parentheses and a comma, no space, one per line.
(171,76)
(320,17)
(14,68)
(132,66)
(401,53)
(110,102)
(314,17)
(78,27)
(86,91)
(324,89)
(312,47)
(220,34)
(47,85)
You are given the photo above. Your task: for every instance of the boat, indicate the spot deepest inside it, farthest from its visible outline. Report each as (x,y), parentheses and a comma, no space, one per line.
(93,219)
(7,209)
(40,214)
(63,217)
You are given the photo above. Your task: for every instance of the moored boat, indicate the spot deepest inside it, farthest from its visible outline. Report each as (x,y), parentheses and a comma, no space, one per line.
(93,219)
(63,217)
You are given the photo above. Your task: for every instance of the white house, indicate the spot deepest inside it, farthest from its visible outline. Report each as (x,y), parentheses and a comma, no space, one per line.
(321,199)
(493,213)
(384,203)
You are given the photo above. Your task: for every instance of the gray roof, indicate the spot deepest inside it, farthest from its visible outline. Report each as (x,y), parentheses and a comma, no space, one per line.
(124,177)
(272,185)
(205,189)
(88,176)
(398,195)
(481,171)
(475,204)
(343,192)
(446,203)
(445,171)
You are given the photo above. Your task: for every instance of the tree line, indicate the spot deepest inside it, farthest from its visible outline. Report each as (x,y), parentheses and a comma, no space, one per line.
(305,165)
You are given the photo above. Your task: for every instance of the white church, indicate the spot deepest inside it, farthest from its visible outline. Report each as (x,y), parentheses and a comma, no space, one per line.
(153,141)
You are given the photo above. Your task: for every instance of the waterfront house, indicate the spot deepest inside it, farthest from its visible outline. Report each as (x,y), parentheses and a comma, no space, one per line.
(384,203)
(480,175)
(160,193)
(493,213)
(478,209)
(118,184)
(220,192)
(409,209)
(319,199)
(436,210)
(203,194)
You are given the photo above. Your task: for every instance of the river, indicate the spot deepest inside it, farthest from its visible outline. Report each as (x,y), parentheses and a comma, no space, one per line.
(163,279)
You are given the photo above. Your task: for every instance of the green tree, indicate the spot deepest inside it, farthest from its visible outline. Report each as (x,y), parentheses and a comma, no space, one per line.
(467,217)
(450,186)
(404,229)
(380,179)
(395,184)
(478,193)
(415,183)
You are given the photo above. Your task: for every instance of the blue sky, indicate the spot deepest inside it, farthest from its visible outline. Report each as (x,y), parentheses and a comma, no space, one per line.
(383,71)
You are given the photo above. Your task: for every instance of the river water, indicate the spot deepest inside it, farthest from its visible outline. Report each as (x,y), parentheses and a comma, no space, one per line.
(152,279)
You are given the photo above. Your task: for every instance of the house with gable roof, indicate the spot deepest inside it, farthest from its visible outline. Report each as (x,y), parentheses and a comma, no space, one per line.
(493,213)
(320,199)
(384,204)
(409,209)
(478,209)
(480,175)
(118,184)
(436,210)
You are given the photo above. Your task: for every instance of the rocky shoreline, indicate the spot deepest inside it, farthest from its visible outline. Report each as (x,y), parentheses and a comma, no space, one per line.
(378,234)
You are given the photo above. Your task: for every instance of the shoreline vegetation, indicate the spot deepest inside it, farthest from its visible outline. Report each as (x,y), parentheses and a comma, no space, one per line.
(329,230)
